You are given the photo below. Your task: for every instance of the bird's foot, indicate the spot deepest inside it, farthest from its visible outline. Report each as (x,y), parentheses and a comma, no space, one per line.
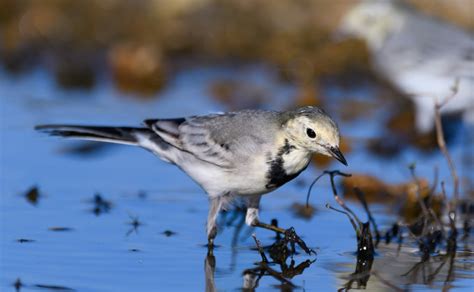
(292,238)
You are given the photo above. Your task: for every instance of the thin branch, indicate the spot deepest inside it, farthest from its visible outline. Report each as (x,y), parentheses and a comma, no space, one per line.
(423,206)
(451,209)
(311,187)
(442,142)
(338,199)
(417,238)
(361,197)
(354,225)
(260,249)
(435,180)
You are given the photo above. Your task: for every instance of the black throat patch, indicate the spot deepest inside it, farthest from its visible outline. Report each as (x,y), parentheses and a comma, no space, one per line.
(277,175)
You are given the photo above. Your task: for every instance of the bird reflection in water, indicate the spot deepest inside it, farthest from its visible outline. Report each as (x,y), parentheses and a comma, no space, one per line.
(281,267)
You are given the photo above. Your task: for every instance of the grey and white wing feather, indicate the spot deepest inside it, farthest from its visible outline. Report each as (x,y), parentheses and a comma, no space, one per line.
(226,140)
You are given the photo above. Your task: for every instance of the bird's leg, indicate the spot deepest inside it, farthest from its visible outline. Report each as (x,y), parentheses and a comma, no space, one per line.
(215,205)
(251,219)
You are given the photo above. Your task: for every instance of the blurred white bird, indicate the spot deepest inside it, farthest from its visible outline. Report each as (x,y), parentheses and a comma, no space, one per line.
(422,56)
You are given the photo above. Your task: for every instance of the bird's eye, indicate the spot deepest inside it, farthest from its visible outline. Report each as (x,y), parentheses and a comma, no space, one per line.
(310,133)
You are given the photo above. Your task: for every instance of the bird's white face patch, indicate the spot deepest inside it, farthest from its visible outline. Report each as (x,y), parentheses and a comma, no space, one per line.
(314,135)
(373,21)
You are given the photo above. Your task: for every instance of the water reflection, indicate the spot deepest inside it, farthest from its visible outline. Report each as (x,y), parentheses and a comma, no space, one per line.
(87,148)
(278,268)
(209,272)
(365,259)
(27,230)
(404,270)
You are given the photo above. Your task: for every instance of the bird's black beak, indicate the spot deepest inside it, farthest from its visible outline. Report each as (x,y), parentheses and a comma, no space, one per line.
(336,153)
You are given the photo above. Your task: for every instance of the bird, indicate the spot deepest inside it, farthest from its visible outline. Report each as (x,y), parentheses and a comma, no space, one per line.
(422,56)
(241,154)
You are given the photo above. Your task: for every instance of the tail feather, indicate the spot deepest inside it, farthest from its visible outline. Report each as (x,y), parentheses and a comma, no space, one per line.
(120,135)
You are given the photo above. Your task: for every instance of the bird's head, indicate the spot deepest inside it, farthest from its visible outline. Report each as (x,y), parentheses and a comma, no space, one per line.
(373,21)
(312,129)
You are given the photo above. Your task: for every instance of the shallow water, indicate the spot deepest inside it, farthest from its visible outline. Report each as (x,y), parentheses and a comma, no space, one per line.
(64,242)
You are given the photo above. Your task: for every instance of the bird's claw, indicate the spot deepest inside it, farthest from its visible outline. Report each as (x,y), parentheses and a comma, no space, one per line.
(292,238)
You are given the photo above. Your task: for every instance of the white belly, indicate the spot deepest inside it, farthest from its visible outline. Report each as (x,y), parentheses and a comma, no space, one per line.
(251,178)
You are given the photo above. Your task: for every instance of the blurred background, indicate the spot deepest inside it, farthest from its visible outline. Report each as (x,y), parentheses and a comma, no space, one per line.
(117,62)
(141,46)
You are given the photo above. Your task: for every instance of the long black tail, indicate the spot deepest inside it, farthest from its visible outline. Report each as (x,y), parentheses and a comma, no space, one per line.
(120,135)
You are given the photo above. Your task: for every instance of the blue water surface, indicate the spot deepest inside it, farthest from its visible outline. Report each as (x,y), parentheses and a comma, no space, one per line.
(166,252)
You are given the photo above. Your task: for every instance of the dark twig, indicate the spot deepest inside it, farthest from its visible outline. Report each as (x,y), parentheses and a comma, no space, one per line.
(338,199)
(451,212)
(423,206)
(360,195)
(354,225)
(260,249)
(311,187)
(426,208)
(264,267)
(449,277)
(435,181)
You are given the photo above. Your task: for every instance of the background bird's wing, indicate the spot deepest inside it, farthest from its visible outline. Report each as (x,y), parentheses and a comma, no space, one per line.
(224,140)
(432,46)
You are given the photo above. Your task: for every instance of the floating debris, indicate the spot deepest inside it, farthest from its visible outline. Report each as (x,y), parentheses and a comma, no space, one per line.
(25,240)
(60,229)
(142,195)
(101,205)
(135,223)
(168,233)
(18,285)
(33,195)
(53,287)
